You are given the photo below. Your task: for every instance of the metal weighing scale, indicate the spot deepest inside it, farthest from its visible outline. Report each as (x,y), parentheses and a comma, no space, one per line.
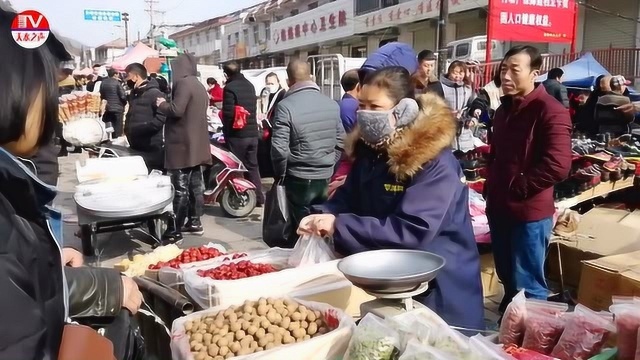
(394,277)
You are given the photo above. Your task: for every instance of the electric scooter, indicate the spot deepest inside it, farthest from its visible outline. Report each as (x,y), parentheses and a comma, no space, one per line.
(225,184)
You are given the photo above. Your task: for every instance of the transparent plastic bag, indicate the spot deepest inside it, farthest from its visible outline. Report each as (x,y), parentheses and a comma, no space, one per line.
(309,250)
(512,328)
(329,346)
(483,349)
(627,320)
(373,339)
(584,336)
(542,331)
(418,351)
(409,327)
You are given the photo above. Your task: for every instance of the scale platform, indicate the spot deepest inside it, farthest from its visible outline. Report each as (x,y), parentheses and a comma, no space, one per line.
(390,305)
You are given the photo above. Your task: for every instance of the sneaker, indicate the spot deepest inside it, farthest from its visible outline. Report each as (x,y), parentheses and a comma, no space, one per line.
(614,163)
(567,225)
(193,227)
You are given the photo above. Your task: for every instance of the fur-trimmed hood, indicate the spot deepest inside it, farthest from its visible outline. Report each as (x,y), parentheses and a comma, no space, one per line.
(433,131)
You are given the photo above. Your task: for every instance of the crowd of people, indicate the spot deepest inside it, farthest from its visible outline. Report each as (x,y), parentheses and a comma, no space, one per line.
(380,169)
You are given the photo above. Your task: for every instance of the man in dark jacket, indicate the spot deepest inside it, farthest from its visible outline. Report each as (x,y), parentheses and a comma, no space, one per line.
(112,91)
(608,115)
(528,157)
(349,103)
(306,143)
(96,77)
(187,146)
(426,79)
(554,86)
(242,140)
(145,122)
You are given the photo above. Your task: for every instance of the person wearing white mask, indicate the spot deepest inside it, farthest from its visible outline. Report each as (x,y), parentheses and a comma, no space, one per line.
(276,93)
(271,95)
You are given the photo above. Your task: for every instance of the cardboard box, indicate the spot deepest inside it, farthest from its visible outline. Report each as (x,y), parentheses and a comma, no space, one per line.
(608,276)
(602,232)
(490,284)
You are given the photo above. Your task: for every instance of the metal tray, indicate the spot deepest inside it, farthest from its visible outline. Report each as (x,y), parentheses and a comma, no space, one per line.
(391,271)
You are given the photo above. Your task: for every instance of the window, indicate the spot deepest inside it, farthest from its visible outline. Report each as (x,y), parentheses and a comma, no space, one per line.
(482,45)
(190,40)
(278,18)
(256,34)
(207,36)
(237,37)
(245,36)
(312,5)
(294,12)
(267,30)
(197,38)
(366,6)
(359,51)
(388,3)
(462,50)
(229,39)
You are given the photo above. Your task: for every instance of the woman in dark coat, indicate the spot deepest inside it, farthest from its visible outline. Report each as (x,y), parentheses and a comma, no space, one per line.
(405,191)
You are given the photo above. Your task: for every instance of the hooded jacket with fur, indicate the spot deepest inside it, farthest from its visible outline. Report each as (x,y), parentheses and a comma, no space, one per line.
(412,196)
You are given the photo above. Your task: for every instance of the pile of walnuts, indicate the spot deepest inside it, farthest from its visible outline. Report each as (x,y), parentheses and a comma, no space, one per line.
(253,327)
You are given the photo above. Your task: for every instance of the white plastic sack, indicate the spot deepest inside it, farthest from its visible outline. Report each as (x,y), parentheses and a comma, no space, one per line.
(309,250)
(84,131)
(294,282)
(418,351)
(483,349)
(373,339)
(329,346)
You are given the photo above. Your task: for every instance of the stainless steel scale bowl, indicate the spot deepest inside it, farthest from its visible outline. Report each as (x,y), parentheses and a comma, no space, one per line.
(392,276)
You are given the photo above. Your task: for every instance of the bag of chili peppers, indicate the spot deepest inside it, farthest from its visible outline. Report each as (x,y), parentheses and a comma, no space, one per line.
(542,331)
(627,320)
(584,336)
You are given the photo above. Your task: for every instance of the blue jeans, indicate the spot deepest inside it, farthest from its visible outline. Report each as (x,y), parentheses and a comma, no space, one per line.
(519,251)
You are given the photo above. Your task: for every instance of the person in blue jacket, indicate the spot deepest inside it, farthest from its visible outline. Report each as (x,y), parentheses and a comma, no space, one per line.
(406,191)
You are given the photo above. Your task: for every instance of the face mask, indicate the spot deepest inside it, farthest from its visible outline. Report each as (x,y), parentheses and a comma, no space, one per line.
(375,126)
(273,88)
(131,84)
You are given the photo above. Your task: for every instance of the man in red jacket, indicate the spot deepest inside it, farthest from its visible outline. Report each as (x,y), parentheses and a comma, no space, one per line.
(530,153)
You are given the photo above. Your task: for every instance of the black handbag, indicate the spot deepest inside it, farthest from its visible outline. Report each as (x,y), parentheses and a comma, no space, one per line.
(276,221)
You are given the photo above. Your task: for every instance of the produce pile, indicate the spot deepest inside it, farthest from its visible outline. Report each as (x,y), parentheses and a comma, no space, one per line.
(253,327)
(541,330)
(192,255)
(141,263)
(235,271)
(78,104)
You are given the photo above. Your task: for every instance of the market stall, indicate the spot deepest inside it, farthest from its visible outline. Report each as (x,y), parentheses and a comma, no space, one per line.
(135,54)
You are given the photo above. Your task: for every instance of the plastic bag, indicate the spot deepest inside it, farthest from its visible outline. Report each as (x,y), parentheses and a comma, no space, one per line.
(409,327)
(373,339)
(542,331)
(512,328)
(309,250)
(483,349)
(418,351)
(277,225)
(627,320)
(585,334)
(638,347)
(329,346)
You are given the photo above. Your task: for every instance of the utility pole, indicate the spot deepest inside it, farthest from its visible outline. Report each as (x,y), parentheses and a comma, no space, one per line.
(443,20)
(151,12)
(125,18)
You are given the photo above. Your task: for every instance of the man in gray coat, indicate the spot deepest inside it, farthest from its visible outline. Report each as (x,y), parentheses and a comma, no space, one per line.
(186,146)
(307,141)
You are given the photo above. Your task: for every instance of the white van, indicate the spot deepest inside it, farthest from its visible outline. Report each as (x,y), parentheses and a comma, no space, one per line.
(327,70)
(474,48)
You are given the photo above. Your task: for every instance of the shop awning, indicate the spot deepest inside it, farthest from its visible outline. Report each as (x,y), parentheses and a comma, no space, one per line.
(136,54)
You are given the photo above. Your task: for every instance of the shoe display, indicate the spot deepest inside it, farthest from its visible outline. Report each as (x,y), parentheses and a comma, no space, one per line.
(614,163)
(616,175)
(567,225)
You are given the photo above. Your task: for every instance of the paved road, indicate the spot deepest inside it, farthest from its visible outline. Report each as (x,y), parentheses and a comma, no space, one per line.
(234,234)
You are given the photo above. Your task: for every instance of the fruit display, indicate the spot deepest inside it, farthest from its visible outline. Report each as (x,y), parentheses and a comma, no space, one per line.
(78,104)
(253,327)
(242,269)
(192,255)
(140,263)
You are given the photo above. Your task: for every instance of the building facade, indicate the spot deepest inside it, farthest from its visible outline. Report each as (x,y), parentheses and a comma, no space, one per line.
(107,53)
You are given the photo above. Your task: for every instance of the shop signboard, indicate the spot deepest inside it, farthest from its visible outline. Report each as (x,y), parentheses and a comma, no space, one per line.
(410,11)
(545,21)
(332,21)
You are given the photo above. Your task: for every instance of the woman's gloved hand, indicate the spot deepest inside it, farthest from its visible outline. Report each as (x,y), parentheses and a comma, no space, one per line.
(321,225)
(131,295)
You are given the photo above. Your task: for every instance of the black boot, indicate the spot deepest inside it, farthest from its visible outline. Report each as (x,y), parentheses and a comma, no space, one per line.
(172,235)
(193,227)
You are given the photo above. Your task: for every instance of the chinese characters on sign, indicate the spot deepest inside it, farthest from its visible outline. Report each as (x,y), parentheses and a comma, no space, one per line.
(532,20)
(320,24)
(407,10)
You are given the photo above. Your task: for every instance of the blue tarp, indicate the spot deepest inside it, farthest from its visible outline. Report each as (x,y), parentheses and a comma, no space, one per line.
(581,73)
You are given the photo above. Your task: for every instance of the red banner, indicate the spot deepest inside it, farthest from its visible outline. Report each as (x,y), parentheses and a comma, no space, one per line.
(545,21)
